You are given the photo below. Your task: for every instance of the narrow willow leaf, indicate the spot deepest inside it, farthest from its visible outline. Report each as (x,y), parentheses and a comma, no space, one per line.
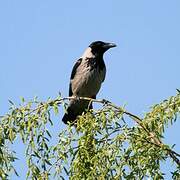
(10,102)
(67,173)
(55,107)
(48,162)
(48,133)
(22,99)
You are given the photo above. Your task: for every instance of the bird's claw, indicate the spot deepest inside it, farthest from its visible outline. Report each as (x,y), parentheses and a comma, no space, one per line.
(77,98)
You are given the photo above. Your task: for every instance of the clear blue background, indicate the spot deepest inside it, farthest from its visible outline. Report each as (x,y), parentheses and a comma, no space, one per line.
(41,40)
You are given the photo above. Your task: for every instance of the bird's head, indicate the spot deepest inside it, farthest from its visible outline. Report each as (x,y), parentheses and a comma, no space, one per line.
(100,47)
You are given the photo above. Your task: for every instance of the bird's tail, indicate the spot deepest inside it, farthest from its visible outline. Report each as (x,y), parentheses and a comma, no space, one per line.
(69,116)
(76,108)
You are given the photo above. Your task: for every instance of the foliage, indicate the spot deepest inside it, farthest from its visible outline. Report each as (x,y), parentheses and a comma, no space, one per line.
(102,145)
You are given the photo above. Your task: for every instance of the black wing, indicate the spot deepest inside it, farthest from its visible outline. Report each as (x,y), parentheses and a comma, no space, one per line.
(78,62)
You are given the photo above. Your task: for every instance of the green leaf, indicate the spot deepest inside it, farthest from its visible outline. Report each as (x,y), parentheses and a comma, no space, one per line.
(10,102)
(48,162)
(22,99)
(48,133)
(55,107)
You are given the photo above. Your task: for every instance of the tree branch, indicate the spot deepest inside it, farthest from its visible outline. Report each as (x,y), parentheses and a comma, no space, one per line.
(138,120)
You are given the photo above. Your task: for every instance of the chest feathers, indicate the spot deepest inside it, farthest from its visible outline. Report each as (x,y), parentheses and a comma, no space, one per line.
(89,76)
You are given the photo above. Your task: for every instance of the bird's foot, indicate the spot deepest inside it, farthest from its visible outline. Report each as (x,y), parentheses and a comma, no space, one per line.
(77,98)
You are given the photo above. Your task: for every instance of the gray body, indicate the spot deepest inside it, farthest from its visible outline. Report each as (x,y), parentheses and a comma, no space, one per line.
(86,78)
(87,81)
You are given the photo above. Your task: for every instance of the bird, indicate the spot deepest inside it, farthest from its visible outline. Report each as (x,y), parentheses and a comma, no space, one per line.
(87,75)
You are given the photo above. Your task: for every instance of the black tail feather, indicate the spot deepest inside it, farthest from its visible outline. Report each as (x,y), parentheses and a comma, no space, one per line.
(73,111)
(69,117)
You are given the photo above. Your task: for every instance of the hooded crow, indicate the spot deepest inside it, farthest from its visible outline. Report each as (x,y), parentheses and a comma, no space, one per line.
(87,75)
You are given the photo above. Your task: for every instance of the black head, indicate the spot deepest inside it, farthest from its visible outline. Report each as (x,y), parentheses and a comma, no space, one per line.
(100,47)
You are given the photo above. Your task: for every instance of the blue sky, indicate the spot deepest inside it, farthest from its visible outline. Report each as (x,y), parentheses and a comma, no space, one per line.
(41,40)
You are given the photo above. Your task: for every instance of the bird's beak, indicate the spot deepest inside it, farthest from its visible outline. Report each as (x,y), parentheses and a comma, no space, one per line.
(109,45)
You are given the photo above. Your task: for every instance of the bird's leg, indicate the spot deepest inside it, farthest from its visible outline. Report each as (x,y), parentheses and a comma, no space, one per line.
(90,102)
